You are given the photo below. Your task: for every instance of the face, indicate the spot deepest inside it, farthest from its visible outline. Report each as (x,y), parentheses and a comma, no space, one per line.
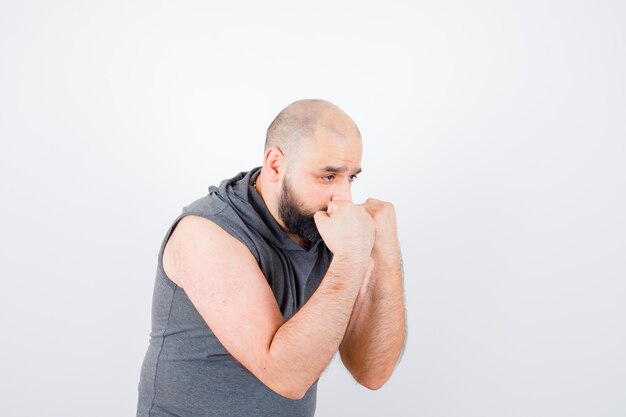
(324,171)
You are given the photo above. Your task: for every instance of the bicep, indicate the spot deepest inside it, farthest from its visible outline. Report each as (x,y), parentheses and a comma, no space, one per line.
(225,284)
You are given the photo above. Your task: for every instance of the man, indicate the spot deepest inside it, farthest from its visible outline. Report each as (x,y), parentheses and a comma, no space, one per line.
(260,282)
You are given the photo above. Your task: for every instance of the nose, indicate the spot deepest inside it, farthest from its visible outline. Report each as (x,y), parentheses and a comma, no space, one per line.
(342,192)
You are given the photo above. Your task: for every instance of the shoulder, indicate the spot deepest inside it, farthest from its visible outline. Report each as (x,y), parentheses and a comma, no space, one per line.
(197,242)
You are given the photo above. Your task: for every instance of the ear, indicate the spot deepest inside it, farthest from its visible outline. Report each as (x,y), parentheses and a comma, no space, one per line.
(274,163)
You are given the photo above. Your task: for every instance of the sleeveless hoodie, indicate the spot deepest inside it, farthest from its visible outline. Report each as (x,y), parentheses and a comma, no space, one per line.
(186,370)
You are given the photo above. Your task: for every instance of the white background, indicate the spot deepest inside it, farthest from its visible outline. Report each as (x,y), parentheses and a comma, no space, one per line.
(497,129)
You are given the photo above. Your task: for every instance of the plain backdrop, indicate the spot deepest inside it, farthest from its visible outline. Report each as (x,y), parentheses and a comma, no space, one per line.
(497,129)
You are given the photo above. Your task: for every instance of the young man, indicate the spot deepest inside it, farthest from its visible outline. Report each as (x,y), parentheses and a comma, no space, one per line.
(261,281)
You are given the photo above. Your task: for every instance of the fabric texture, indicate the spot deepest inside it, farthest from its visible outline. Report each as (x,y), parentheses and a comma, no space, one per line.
(186,370)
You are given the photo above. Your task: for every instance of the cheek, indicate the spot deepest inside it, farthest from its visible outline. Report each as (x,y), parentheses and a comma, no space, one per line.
(322,198)
(316,199)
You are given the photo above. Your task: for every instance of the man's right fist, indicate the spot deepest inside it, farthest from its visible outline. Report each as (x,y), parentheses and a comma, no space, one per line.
(346,228)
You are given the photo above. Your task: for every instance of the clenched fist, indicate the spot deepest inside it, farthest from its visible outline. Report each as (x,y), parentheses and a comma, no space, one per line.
(347,229)
(384,215)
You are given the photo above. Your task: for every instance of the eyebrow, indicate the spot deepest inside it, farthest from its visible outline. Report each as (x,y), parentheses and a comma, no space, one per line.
(335,169)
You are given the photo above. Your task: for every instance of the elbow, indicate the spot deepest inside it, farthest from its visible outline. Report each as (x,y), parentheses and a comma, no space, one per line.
(373,383)
(285,386)
(290,382)
(366,377)
(372,379)
(292,392)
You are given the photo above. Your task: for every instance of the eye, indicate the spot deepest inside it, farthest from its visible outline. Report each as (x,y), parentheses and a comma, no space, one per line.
(328,178)
(353,177)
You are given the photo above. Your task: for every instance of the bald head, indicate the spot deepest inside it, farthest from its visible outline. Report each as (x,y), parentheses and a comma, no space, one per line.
(302,120)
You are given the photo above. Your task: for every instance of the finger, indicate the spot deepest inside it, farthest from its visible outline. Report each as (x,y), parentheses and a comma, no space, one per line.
(320,216)
(332,206)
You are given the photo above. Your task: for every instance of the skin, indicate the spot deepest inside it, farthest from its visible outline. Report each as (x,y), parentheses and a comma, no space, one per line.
(376,335)
(358,307)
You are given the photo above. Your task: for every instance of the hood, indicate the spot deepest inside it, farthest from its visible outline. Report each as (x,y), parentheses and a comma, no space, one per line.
(251,208)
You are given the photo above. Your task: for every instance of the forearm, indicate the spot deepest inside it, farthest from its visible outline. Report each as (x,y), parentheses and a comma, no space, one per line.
(304,345)
(376,336)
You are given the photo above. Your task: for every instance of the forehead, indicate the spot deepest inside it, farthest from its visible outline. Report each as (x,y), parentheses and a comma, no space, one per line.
(330,149)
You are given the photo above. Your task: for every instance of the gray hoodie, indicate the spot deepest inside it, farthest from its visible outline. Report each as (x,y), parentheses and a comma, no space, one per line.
(186,370)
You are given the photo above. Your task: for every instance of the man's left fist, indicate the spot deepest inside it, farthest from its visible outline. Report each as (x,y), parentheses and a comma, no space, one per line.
(384,215)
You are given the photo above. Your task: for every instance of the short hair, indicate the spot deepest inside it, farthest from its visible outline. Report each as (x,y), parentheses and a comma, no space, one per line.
(298,122)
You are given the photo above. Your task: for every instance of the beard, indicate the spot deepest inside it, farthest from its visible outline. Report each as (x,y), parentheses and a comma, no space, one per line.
(296,218)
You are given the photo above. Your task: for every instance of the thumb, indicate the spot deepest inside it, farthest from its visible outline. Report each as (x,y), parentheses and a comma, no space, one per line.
(320,216)
(331,207)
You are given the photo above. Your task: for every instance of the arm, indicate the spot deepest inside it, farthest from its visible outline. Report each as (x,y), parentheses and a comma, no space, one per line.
(304,345)
(376,332)
(233,297)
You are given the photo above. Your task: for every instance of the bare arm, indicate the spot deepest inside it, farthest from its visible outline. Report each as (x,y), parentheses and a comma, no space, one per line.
(223,281)
(376,332)
(304,345)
